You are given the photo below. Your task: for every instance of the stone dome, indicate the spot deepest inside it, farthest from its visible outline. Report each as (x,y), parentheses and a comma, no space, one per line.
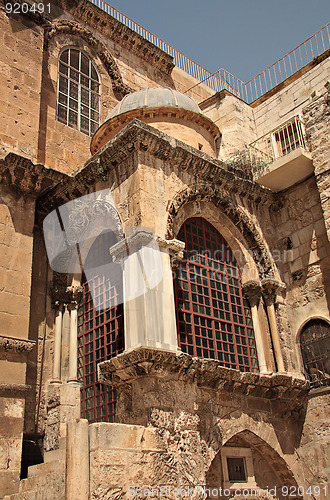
(165,109)
(162,97)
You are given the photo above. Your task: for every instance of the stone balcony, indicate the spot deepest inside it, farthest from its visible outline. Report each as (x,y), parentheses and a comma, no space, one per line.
(281,158)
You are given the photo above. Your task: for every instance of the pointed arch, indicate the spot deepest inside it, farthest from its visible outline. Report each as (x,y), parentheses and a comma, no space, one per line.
(255,242)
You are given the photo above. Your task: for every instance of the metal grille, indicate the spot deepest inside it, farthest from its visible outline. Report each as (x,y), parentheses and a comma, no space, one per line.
(315,349)
(100,334)
(78,101)
(213,318)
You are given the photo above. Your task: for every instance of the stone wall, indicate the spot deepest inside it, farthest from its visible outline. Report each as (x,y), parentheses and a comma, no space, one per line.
(289,100)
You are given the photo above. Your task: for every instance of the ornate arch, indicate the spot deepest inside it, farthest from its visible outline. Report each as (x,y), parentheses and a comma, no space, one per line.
(73,28)
(220,198)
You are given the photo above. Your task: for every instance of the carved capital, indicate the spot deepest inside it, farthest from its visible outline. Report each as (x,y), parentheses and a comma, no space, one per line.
(62,294)
(270,289)
(252,290)
(175,249)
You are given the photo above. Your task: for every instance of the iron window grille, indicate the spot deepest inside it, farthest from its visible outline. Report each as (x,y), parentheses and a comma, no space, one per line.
(78,98)
(100,332)
(315,350)
(213,318)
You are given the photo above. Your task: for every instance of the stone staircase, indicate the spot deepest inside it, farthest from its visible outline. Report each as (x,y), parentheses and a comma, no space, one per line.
(45,481)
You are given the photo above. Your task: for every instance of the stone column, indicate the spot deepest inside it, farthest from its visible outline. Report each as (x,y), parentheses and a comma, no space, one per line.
(73,343)
(57,344)
(252,290)
(149,310)
(269,287)
(77,461)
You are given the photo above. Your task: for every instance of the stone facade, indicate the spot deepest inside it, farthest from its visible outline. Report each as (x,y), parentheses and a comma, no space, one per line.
(179,418)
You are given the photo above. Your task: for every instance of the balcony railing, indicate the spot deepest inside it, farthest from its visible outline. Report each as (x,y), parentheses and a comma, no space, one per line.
(278,142)
(222,79)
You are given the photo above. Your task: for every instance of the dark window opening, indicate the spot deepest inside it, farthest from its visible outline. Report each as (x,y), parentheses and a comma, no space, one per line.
(236,470)
(315,350)
(213,318)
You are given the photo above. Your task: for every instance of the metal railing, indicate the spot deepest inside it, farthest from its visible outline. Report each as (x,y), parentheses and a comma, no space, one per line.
(278,142)
(222,79)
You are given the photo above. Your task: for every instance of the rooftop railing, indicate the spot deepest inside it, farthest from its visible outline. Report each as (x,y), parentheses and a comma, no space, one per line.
(222,79)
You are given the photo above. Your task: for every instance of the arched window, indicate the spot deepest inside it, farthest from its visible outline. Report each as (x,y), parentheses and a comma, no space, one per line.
(100,328)
(315,351)
(213,317)
(78,99)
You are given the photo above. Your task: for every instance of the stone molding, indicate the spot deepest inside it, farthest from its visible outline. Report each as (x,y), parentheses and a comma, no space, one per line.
(16,345)
(76,29)
(143,237)
(14,390)
(27,177)
(84,213)
(146,362)
(180,114)
(137,136)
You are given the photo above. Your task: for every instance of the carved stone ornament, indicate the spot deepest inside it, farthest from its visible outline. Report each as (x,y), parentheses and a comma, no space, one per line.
(252,290)
(270,288)
(16,345)
(147,362)
(62,294)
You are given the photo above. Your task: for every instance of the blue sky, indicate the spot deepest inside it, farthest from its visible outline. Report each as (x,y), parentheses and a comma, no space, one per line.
(242,36)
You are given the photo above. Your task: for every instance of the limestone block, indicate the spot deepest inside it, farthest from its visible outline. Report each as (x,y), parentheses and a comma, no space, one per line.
(122,436)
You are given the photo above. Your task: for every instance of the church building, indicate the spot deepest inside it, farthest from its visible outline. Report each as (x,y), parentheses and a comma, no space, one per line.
(164,265)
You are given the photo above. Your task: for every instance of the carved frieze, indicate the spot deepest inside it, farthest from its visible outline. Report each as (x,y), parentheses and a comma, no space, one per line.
(16,345)
(146,362)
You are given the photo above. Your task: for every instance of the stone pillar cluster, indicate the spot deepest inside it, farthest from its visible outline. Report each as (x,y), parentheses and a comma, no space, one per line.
(65,301)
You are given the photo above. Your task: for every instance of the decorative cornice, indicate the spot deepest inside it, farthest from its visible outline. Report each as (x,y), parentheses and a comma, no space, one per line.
(14,390)
(93,18)
(138,136)
(146,362)
(28,177)
(11,344)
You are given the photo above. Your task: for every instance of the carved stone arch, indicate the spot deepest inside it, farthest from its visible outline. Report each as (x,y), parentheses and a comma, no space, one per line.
(222,199)
(270,468)
(73,28)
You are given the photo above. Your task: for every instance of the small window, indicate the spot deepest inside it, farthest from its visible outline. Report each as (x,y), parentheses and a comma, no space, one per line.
(315,351)
(78,98)
(236,469)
